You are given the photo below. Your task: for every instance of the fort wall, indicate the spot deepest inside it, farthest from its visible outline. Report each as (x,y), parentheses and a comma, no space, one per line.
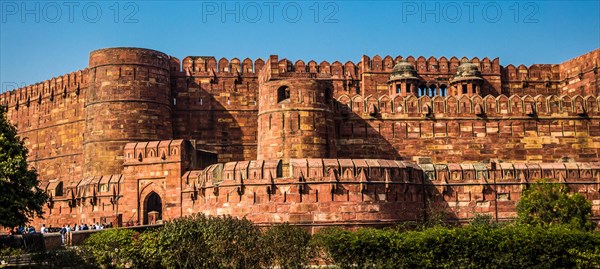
(91,132)
(49,116)
(580,74)
(363,192)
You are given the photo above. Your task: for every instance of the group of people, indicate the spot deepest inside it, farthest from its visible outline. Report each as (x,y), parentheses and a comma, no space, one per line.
(22,230)
(64,231)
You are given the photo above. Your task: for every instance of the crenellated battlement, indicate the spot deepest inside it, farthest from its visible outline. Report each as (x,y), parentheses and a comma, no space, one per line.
(208,66)
(154,152)
(533,73)
(380,171)
(48,90)
(396,106)
(517,78)
(359,192)
(431,65)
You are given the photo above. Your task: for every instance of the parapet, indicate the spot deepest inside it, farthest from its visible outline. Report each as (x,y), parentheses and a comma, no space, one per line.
(208,66)
(79,191)
(50,90)
(155,151)
(471,106)
(130,56)
(429,65)
(386,172)
(321,170)
(487,173)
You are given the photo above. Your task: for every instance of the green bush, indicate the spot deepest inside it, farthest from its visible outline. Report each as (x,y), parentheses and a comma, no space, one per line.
(198,241)
(586,258)
(62,258)
(476,246)
(287,246)
(145,252)
(546,204)
(112,248)
(6,253)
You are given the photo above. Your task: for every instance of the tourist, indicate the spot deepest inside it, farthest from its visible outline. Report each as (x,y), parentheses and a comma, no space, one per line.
(63,232)
(43,229)
(68,234)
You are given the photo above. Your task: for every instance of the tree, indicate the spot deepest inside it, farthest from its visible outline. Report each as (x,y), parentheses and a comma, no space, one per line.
(545,203)
(20,196)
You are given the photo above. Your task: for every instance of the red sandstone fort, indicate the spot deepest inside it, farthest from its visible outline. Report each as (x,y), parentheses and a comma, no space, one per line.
(140,136)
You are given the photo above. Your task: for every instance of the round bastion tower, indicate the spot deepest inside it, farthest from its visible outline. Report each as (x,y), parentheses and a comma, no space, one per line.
(129,100)
(295,119)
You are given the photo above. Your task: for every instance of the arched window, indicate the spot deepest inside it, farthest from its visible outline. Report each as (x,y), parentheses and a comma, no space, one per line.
(443,90)
(422,90)
(283,93)
(432,89)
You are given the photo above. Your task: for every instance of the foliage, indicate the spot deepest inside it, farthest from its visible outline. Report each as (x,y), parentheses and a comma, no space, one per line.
(112,247)
(288,246)
(474,246)
(482,220)
(198,241)
(589,258)
(21,197)
(546,204)
(7,252)
(145,250)
(61,258)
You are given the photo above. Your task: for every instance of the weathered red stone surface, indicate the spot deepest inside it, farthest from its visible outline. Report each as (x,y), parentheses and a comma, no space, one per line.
(378,142)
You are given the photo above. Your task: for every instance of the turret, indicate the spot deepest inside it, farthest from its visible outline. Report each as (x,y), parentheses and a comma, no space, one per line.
(404,79)
(295,119)
(128,100)
(467,80)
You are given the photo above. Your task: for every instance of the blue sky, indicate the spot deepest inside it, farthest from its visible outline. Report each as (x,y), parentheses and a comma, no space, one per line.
(39,40)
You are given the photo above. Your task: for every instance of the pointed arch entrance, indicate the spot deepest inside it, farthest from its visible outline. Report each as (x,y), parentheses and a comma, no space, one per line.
(152,208)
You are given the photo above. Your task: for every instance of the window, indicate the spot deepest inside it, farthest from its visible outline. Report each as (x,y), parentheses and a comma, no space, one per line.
(432,90)
(422,90)
(283,93)
(464,89)
(104,187)
(59,189)
(443,90)
(328,95)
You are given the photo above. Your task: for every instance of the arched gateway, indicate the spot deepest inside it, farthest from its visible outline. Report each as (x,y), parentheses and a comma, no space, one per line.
(152,208)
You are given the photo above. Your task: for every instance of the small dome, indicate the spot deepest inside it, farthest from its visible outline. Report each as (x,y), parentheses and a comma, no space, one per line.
(467,72)
(403,70)
(467,69)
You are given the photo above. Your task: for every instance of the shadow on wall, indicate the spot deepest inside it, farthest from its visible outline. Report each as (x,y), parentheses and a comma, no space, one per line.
(215,120)
(360,135)
(360,138)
